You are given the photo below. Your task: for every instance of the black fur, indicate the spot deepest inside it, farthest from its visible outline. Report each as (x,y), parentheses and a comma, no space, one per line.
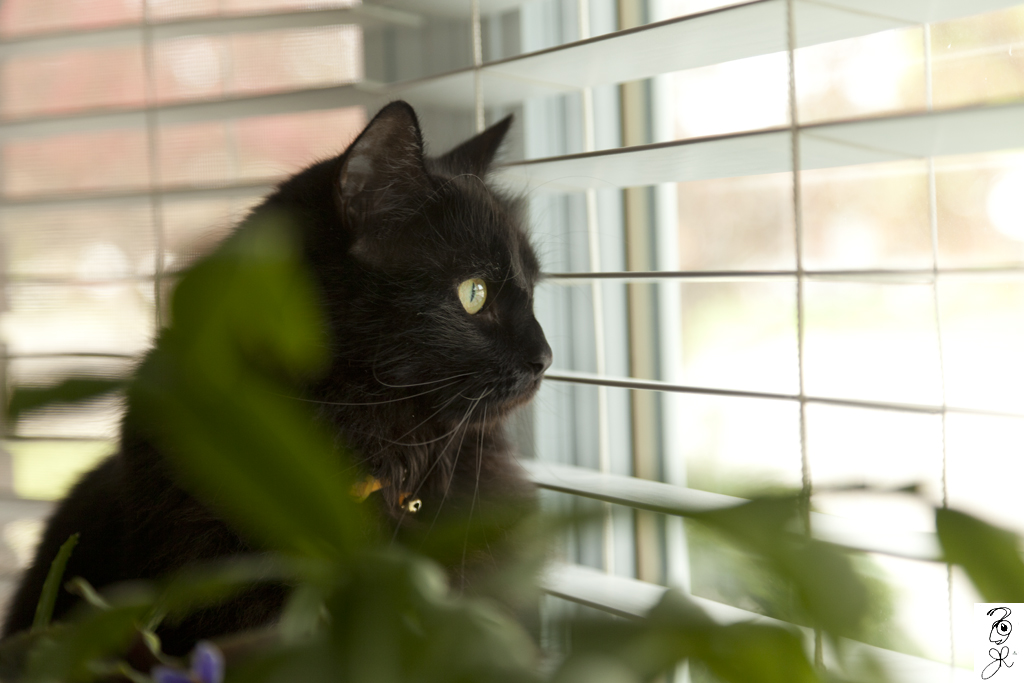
(416,386)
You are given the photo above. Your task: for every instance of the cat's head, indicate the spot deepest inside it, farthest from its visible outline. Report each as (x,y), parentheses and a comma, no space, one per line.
(427,275)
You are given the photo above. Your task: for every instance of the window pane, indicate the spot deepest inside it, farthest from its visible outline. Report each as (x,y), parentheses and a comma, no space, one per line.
(114,317)
(867,217)
(84,162)
(870,75)
(980,210)
(568,427)
(197,154)
(985,467)
(719,99)
(256,148)
(916,620)
(292,59)
(36,16)
(887,449)
(982,336)
(738,445)
(739,336)
(84,242)
(192,67)
(871,342)
(275,146)
(979,59)
(737,223)
(47,469)
(63,82)
(195,67)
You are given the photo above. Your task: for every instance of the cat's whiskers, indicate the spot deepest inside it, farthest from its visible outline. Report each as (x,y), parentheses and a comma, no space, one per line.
(472,506)
(455,463)
(463,421)
(478,398)
(397,441)
(417,384)
(440,457)
(447,403)
(373,403)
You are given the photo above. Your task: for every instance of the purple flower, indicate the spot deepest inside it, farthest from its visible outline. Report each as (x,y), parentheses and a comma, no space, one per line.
(207,667)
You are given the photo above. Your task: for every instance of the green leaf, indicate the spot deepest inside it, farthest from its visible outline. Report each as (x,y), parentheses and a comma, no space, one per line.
(14,652)
(252,454)
(82,588)
(71,390)
(251,300)
(304,613)
(48,597)
(219,394)
(311,661)
(70,651)
(203,585)
(755,653)
(393,620)
(741,653)
(990,555)
(597,668)
(828,590)
(677,629)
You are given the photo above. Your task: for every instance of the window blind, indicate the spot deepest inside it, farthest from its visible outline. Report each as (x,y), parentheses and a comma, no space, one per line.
(781,241)
(133,136)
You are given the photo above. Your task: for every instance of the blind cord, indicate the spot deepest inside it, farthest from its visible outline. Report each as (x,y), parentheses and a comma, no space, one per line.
(933,225)
(478,60)
(794,134)
(153,145)
(597,300)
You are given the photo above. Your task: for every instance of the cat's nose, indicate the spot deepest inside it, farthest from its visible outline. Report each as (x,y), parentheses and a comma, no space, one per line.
(542,361)
(534,347)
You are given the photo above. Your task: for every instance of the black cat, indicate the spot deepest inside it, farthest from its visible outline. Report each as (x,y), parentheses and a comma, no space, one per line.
(426,277)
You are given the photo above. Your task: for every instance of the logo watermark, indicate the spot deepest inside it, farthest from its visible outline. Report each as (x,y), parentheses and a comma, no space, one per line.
(997,641)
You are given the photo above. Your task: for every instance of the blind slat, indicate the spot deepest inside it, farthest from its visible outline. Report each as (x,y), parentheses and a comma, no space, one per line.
(630,598)
(244,190)
(24,508)
(878,139)
(450,8)
(666,498)
(333,97)
(737,32)
(576,377)
(874,275)
(62,41)
(686,42)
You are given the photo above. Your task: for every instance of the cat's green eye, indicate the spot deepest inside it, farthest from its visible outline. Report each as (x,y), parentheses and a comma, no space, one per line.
(473,294)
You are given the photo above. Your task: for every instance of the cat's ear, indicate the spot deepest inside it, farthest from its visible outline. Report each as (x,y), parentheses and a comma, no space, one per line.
(387,154)
(476,154)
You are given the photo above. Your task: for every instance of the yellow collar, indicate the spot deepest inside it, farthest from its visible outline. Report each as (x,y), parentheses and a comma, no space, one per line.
(361,491)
